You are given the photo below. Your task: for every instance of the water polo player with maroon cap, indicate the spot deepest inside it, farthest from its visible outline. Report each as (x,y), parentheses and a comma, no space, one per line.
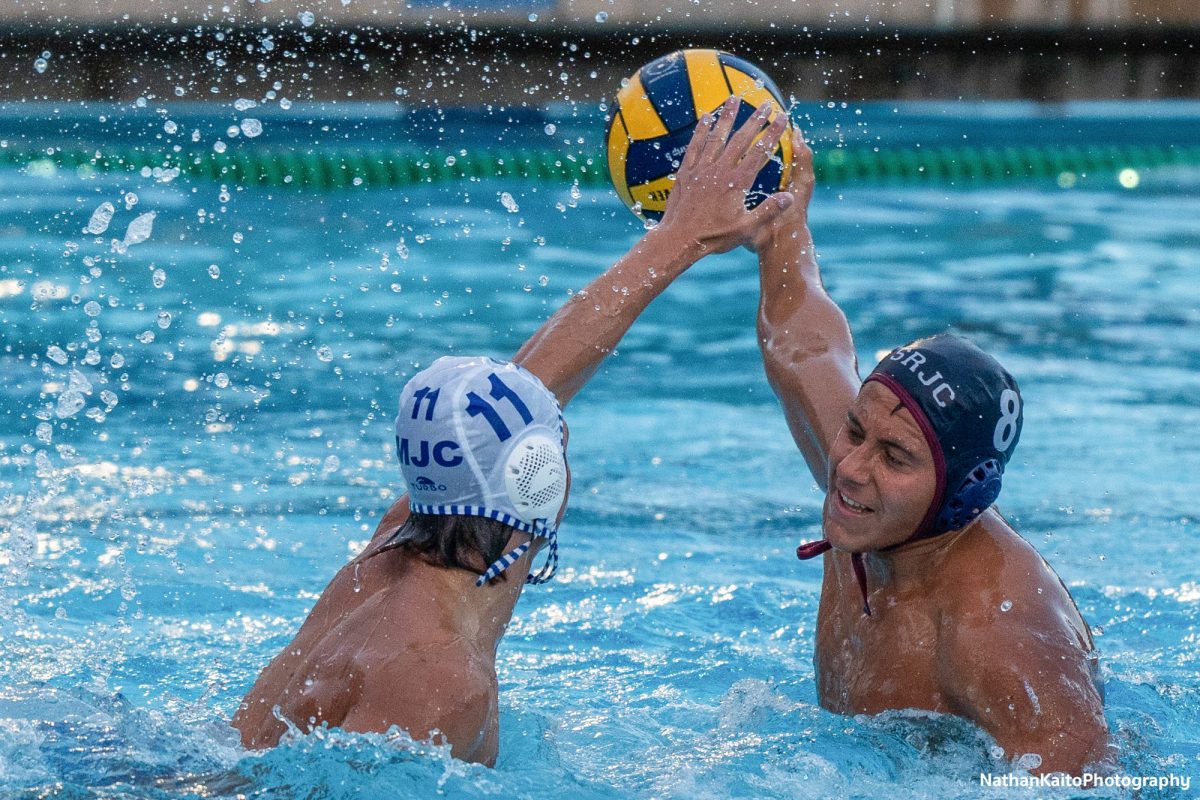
(930,600)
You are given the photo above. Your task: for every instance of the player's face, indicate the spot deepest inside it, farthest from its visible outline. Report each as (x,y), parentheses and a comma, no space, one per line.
(881,475)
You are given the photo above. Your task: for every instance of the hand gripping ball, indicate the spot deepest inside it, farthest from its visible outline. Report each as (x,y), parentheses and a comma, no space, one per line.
(656,113)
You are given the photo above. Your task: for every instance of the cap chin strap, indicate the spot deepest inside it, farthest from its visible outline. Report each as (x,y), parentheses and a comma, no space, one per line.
(512,556)
(814,549)
(546,573)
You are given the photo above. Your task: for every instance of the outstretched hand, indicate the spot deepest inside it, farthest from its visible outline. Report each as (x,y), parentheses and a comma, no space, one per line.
(793,222)
(708,201)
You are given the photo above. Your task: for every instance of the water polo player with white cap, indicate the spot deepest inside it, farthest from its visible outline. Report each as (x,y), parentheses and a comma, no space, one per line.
(406,634)
(929,600)
(477,437)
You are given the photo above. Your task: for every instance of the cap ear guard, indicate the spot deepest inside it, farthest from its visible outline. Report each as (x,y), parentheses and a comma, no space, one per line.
(973,496)
(535,476)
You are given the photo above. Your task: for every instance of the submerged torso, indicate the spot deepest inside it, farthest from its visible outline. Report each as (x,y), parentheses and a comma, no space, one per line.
(865,665)
(891,659)
(378,650)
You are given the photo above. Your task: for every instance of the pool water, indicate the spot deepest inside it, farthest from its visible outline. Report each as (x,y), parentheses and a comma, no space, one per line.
(196,434)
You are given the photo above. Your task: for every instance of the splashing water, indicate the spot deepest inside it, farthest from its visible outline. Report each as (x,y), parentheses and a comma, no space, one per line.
(140,229)
(101,218)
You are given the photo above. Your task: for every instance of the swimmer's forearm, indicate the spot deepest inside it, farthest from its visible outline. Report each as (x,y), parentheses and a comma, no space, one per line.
(807,348)
(567,350)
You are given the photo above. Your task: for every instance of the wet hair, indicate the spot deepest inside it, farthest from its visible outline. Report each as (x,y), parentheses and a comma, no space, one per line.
(451,541)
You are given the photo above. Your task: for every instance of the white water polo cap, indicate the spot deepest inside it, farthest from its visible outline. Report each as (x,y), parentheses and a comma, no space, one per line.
(480,437)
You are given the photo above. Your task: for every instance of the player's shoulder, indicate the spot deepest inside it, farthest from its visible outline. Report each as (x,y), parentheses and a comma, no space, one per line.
(990,554)
(998,590)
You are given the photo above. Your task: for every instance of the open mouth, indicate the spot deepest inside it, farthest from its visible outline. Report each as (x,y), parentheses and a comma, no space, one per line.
(852,505)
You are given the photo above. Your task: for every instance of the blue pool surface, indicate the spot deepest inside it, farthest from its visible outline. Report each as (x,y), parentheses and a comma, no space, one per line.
(195,434)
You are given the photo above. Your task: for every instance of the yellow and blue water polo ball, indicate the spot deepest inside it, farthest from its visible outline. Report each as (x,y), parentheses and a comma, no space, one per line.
(656,113)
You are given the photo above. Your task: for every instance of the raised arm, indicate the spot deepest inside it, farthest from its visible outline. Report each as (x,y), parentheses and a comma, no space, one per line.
(705,214)
(806,344)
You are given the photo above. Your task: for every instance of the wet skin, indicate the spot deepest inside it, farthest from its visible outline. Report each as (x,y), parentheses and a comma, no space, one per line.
(973,622)
(392,641)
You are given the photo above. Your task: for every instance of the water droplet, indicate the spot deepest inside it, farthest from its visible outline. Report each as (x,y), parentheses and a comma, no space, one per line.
(44,432)
(533,17)
(170,127)
(550,129)
(140,229)
(69,404)
(601,16)
(101,218)
(1006,605)
(145,337)
(39,66)
(56,354)
(1029,761)
(324,353)
(131,200)
(244,104)
(284,103)
(214,271)
(543,280)
(221,380)
(402,250)
(117,361)
(164,319)
(509,203)
(307,18)
(251,127)
(92,308)
(109,398)
(238,237)
(158,278)
(219,146)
